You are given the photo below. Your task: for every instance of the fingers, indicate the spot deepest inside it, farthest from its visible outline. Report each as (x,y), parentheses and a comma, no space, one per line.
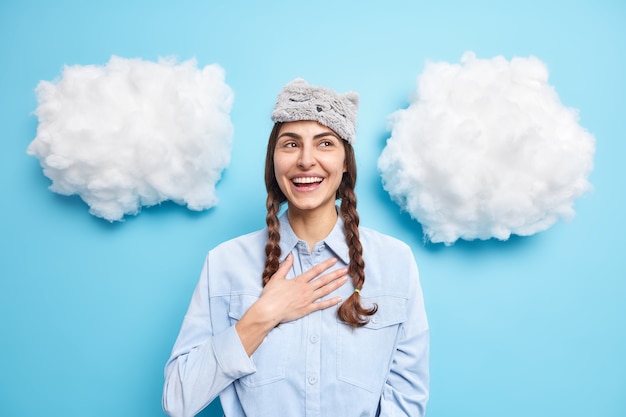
(309,275)
(322,304)
(333,277)
(317,269)
(283,268)
(292,299)
(317,302)
(287,263)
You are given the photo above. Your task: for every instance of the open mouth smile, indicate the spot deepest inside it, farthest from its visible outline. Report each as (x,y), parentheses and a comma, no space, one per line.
(303,182)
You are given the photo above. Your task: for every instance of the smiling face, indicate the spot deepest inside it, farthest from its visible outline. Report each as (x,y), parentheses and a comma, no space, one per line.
(309,162)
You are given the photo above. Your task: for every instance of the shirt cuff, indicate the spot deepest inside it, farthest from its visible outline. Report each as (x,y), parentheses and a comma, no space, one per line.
(231,355)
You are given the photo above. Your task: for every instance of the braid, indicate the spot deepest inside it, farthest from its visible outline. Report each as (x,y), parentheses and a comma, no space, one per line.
(275,198)
(351,311)
(272,247)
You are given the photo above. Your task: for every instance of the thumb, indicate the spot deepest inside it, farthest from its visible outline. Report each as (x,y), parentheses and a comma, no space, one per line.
(284,267)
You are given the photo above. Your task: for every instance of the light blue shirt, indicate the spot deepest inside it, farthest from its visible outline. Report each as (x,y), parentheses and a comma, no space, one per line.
(314,366)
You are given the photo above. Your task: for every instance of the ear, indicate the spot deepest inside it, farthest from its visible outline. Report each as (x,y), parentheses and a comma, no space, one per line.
(352,98)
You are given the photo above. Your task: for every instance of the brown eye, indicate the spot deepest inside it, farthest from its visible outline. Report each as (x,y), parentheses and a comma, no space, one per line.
(328,142)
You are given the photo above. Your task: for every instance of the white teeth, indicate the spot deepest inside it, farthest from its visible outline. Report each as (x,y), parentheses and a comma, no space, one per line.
(307,180)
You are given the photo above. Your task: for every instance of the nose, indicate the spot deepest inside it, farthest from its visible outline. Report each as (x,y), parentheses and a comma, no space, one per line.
(307,157)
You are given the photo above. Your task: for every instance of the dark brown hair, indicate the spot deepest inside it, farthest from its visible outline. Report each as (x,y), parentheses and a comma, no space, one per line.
(351,311)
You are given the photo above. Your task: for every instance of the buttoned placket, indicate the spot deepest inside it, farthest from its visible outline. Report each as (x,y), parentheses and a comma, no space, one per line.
(313,343)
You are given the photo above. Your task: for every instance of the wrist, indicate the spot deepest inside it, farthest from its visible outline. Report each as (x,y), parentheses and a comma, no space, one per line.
(254,326)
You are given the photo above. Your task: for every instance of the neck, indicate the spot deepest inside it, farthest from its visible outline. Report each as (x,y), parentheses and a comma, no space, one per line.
(312,226)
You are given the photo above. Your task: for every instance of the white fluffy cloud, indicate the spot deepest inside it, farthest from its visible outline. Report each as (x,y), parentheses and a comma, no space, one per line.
(486,149)
(135,133)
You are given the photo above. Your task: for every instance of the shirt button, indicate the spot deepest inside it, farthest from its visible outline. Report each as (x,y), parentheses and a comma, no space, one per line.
(314,339)
(375,319)
(312,380)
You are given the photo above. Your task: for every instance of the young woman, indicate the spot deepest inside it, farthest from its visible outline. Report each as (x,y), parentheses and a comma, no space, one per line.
(314,315)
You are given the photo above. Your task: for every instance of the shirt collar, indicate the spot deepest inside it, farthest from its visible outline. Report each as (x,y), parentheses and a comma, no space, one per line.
(336,239)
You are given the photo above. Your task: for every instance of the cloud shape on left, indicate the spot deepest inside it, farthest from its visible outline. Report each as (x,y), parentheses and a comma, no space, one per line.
(135,133)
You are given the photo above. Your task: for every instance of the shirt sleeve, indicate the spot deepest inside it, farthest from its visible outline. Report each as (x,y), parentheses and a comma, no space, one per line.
(205,359)
(407,388)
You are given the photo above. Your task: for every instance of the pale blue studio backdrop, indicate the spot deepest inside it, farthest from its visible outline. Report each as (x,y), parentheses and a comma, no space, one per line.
(89,310)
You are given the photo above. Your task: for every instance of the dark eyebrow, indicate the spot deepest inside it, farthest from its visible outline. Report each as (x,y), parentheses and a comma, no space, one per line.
(289,134)
(318,136)
(328,133)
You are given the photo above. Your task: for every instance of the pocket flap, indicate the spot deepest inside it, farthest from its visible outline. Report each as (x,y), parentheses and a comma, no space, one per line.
(239,304)
(391,310)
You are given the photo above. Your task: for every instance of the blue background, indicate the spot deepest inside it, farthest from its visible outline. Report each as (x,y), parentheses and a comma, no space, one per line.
(89,310)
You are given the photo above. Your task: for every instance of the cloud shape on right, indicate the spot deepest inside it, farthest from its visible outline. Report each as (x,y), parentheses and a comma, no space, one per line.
(486,149)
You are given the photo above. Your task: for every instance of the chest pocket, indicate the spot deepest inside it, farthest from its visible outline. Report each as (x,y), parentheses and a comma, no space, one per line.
(364,354)
(271,356)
